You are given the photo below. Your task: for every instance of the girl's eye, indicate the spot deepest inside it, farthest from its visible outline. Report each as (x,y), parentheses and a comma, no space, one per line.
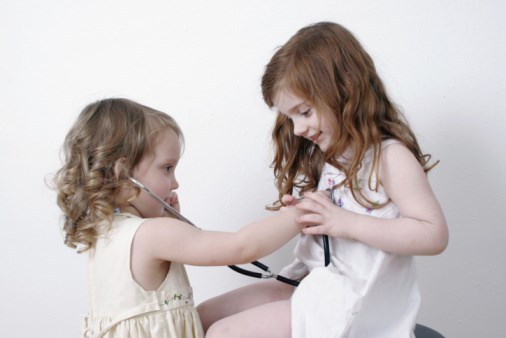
(306,112)
(168,168)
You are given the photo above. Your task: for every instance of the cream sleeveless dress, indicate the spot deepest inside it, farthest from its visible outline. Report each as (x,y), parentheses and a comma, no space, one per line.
(121,308)
(364,292)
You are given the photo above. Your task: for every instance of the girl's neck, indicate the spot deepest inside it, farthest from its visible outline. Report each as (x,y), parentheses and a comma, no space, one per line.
(131,210)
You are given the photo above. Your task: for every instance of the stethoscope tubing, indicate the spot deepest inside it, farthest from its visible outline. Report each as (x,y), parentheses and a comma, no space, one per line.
(326,249)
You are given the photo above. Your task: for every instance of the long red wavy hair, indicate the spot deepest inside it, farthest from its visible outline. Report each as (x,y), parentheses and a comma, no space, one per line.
(325,65)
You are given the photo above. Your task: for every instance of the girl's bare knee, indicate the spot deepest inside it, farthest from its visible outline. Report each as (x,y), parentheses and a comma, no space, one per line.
(220,330)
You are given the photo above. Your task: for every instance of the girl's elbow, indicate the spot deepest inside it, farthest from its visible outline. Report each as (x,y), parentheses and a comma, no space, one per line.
(443,243)
(440,241)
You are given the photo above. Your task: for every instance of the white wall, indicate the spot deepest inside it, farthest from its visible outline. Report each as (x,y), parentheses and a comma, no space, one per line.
(201,61)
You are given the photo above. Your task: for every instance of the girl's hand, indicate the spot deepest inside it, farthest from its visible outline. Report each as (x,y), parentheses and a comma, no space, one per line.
(325,217)
(288,201)
(174,201)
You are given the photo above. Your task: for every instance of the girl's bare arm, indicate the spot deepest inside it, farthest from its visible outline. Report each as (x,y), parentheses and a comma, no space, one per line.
(167,239)
(421,228)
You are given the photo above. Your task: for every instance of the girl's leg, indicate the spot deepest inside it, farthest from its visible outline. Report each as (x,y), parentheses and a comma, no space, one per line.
(242,299)
(271,320)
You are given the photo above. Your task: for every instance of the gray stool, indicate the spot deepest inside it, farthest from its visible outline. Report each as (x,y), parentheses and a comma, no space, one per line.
(422,331)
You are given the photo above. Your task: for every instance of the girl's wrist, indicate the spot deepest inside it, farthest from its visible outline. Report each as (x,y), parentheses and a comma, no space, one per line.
(353,226)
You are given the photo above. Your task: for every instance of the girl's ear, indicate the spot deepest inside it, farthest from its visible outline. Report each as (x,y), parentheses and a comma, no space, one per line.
(120,167)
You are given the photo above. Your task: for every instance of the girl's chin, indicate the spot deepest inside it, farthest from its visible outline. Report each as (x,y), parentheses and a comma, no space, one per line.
(323,147)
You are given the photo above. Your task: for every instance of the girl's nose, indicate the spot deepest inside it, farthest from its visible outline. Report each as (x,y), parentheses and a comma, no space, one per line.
(175,184)
(299,128)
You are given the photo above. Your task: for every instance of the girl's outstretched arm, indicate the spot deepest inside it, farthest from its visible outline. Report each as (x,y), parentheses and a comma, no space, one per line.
(421,228)
(168,239)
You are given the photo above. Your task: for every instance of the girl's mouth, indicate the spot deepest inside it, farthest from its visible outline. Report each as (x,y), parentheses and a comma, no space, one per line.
(315,137)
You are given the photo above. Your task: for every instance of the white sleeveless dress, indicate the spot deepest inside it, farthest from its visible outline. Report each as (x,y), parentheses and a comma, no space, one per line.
(122,308)
(364,292)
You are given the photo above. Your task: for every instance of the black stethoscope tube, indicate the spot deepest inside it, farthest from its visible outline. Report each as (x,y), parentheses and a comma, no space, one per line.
(326,249)
(265,268)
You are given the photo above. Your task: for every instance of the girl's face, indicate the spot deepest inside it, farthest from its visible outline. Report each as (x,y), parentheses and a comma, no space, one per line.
(307,122)
(157,172)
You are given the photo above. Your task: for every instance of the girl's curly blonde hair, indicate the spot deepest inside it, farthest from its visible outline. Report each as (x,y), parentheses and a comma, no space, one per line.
(87,185)
(326,65)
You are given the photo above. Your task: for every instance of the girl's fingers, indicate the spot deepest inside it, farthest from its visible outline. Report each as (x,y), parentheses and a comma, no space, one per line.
(309,205)
(288,200)
(314,230)
(321,197)
(310,219)
(174,201)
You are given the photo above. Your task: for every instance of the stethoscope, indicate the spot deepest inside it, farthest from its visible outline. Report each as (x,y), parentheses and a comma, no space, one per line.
(325,238)
(267,274)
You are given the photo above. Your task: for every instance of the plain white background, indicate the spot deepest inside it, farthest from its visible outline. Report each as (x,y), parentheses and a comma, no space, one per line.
(201,61)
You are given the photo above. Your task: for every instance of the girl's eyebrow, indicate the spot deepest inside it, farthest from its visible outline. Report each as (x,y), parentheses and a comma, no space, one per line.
(293,109)
(169,159)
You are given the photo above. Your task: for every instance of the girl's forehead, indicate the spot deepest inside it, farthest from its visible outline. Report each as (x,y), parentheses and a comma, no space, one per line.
(167,144)
(286,102)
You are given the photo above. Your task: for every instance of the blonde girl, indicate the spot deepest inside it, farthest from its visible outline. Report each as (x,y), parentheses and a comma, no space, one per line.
(138,284)
(341,143)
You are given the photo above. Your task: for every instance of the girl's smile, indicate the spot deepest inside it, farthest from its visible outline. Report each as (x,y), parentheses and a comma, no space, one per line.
(315,138)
